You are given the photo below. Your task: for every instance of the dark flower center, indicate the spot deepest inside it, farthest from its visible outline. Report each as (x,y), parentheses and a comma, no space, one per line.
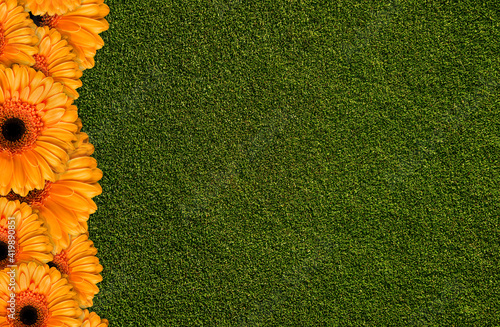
(52,265)
(36,19)
(28,315)
(4,250)
(20,126)
(13,129)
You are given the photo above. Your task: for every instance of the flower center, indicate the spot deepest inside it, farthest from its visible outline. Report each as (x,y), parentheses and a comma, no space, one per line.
(28,315)
(45,20)
(31,310)
(36,19)
(51,21)
(60,262)
(41,64)
(35,198)
(4,250)
(13,129)
(20,126)
(5,259)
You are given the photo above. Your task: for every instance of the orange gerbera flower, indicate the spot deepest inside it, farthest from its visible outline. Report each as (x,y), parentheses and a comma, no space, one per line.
(37,126)
(66,204)
(81,27)
(17,38)
(80,265)
(51,7)
(42,298)
(55,58)
(93,320)
(24,231)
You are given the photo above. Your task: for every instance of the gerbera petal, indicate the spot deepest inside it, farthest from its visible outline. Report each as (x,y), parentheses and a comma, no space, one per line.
(6,167)
(51,159)
(52,223)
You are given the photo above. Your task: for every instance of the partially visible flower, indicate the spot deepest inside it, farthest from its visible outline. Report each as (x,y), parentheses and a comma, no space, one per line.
(93,320)
(37,126)
(56,59)
(42,298)
(81,27)
(51,7)
(80,265)
(17,38)
(27,235)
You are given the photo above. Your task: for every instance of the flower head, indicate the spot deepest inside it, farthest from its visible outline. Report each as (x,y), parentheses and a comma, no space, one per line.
(55,58)
(37,126)
(23,230)
(42,298)
(80,265)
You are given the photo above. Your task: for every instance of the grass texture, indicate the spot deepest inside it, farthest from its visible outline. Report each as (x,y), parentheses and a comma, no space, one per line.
(297,163)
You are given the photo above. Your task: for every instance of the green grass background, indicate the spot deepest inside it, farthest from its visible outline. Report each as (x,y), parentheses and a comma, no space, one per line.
(296,163)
